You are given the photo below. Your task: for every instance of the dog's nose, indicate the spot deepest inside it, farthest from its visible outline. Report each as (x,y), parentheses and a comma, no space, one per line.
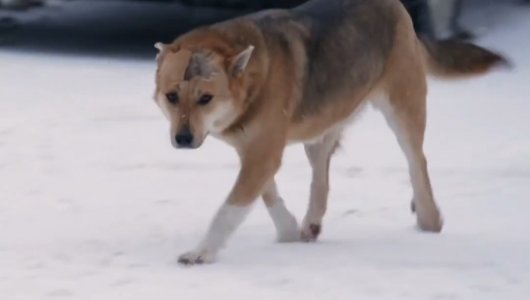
(184,138)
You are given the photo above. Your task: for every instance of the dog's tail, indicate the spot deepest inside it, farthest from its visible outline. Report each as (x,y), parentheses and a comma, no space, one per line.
(454,58)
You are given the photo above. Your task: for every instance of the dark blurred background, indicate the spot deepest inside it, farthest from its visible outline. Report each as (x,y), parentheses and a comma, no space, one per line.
(130,28)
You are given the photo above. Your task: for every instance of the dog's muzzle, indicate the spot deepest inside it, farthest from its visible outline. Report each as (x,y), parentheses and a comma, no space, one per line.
(184,139)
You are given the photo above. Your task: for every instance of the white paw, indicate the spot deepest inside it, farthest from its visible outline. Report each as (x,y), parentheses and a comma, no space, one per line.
(286,225)
(290,235)
(197,258)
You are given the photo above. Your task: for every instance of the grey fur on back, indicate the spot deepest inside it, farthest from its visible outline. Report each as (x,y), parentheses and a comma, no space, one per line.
(347,45)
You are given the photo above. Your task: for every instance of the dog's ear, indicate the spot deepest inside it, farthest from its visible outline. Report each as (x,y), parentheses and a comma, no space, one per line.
(239,63)
(160,46)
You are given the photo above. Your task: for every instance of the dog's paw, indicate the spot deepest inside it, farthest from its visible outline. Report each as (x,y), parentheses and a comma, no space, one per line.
(310,232)
(430,222)
(289,232)
(290,236)
(196,258)
(428,216)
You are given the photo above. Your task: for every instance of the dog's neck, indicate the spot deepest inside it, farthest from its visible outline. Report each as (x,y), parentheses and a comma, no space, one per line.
(250,87)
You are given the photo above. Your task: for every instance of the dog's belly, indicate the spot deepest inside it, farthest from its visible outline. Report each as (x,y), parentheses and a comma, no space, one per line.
(313,128)
(332,119)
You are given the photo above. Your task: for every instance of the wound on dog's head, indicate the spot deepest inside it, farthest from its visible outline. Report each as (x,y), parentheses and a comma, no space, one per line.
(200,65)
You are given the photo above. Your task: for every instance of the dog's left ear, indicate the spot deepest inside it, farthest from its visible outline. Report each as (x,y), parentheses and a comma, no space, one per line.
(239,63)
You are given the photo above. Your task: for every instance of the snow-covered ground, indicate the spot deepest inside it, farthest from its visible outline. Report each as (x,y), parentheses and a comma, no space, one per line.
(95,204)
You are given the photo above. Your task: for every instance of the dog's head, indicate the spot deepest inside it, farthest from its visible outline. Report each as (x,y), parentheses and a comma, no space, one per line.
(196,91)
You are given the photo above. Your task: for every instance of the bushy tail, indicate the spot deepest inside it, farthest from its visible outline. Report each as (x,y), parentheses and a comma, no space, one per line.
(455,58)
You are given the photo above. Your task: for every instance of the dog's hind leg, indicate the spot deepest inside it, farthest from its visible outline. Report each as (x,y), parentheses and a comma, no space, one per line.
(319,155)
(284,221)
(405,113)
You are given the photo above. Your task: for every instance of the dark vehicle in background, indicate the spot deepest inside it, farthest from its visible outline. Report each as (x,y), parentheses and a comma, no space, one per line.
(113,27)
(423,12)
(245,4)
(130,27)
(233,4)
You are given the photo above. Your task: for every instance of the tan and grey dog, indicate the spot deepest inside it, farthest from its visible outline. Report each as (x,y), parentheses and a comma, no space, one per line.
(266,80)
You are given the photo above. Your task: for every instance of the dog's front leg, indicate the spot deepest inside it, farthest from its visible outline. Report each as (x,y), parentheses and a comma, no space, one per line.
(259,164)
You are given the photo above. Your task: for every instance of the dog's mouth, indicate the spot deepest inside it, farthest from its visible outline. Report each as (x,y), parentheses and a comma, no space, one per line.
(186,147)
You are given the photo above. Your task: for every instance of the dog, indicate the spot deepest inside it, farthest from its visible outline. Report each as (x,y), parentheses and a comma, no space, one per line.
(278,77)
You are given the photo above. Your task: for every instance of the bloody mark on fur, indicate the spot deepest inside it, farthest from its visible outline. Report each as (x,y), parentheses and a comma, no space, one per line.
(315,229)
(311,233)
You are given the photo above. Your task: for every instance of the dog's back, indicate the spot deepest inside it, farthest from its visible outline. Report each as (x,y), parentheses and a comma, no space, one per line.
(348,47)
(339,47)
(338,51)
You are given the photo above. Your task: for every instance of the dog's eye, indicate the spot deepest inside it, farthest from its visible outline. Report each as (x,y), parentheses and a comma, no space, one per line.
(172,97)
(205,99)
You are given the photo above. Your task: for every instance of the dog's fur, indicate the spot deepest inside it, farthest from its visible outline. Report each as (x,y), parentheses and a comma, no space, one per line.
(298,76)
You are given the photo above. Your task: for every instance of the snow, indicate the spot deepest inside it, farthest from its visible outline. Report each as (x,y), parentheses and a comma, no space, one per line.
(95,203)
